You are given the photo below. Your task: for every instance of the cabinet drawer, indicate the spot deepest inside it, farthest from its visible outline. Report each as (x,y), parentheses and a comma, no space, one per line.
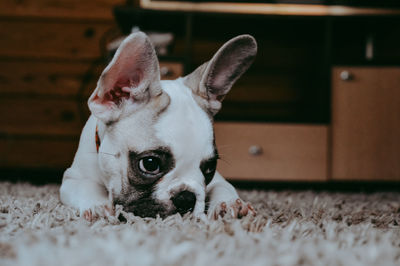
(252,151)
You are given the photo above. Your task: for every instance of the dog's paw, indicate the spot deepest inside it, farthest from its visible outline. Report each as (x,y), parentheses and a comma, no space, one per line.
(235,208)
(97,212)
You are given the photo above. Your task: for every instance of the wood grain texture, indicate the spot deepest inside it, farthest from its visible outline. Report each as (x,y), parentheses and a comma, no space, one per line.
(51,39)
(43,117)
(37,153)
(46,50)
(99,9)
(366,124)
(23,78)
(289,152)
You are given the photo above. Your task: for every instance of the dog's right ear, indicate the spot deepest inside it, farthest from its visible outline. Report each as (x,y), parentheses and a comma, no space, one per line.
(128,82)
(212,81)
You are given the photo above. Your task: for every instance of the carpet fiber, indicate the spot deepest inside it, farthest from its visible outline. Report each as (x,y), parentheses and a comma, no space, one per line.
(291,228)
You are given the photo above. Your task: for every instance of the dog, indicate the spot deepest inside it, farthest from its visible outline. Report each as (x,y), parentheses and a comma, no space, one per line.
(149,144)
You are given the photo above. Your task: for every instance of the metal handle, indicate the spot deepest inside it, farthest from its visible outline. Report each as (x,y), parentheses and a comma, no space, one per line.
(255,150)
(346,75)
(165,71)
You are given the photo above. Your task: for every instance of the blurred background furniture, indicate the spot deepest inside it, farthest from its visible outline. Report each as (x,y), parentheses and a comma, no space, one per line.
(320,103)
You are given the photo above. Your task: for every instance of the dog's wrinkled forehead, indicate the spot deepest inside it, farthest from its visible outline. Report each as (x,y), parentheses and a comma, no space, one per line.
(184,126)
(137,132)
(181,125)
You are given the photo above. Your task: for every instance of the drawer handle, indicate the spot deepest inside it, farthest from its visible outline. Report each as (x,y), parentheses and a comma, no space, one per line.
(346,75)
(255,150)
(165,71)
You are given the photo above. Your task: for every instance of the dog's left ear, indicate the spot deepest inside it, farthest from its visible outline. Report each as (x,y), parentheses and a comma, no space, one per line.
(130,80)
(213,80)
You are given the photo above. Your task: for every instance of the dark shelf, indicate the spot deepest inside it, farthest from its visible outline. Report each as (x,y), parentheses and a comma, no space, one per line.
(300,51)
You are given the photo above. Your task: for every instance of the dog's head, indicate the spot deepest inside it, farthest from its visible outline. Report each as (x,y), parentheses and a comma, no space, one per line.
(158,148)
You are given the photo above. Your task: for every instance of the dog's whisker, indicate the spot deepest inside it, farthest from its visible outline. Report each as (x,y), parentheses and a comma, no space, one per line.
(111,154)
(225,161)
(224,146)
(220,155)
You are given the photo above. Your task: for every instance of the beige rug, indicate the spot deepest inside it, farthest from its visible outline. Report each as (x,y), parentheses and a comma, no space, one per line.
(291,228)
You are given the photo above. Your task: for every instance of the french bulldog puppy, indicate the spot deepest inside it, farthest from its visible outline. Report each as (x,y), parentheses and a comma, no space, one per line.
(149,144)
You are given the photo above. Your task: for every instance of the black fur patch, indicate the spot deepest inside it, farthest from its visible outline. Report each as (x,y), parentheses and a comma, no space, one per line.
(140,202)
(137,195)
(147,207)
(208,166)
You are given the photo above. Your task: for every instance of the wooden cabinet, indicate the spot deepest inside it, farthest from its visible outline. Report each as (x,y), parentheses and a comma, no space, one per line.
(260,151)
(50,64)
(366,123)
(364,136)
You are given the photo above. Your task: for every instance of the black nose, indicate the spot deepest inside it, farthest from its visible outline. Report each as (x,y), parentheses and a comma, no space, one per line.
(184,201)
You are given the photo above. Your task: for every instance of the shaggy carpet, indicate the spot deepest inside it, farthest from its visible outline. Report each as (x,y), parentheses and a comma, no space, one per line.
(291,228)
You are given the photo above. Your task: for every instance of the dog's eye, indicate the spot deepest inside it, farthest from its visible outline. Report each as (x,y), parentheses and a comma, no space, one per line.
(150,165)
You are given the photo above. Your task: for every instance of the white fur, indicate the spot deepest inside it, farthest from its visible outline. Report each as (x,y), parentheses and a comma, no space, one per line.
(188,131)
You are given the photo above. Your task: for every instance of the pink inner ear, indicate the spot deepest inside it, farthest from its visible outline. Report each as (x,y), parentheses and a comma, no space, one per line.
(116,95)
(121,90)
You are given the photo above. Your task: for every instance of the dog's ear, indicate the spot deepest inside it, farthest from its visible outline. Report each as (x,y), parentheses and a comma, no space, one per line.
(128,82)
(213,80)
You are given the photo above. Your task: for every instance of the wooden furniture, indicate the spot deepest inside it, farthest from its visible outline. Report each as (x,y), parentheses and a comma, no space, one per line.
(261,151)
(265,8)
(356,139)
(294,116)
(366,123)
(362,142)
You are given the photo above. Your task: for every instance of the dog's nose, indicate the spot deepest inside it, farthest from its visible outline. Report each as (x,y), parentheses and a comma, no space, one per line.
(184,201)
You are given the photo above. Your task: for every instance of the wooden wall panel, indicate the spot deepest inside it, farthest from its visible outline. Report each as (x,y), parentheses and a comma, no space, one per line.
(37,153)
(46,50)
(51,39)
(99,9)
(24,78)
(44,117)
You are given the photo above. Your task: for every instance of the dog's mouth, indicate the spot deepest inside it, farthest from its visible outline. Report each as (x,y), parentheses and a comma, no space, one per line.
(147,207)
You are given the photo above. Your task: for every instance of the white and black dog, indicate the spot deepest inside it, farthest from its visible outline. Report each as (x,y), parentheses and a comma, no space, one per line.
(149,144)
